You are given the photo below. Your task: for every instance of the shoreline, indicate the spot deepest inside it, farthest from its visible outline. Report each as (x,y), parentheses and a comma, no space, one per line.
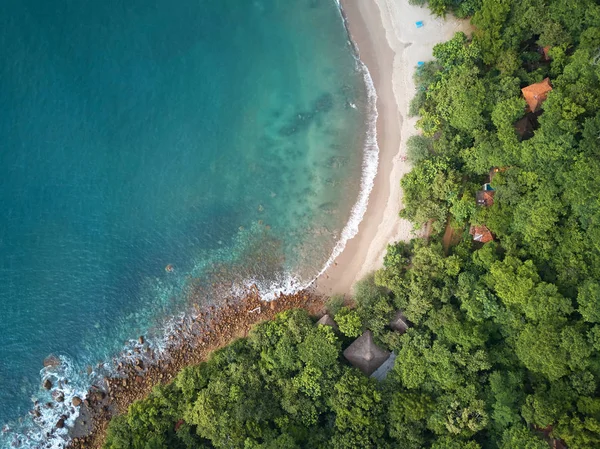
(390,46)
(138,376)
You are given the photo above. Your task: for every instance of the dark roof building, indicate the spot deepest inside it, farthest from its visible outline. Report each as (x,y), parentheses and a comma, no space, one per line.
(326,320)
(365,355)
(485,198)
(524,127)
(399,323)
(382,372)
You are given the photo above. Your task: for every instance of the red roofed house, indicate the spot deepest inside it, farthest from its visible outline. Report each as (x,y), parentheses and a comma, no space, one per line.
(485,197)
(481,234)
(535,94)
(544,52)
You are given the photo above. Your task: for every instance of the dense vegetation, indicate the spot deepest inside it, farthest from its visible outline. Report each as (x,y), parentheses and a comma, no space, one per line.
(504,346)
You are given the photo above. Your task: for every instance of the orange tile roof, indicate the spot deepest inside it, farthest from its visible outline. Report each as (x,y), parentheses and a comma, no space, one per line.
(535,94)
(545,51)
(481,234)
(485,198)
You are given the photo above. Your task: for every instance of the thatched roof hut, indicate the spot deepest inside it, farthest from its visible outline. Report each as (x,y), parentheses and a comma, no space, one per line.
(399,322)
(382,372)
(365,355)
(326,320)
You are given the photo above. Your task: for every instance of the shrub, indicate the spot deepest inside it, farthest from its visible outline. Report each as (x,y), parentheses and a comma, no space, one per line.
(349,322)
(418,148)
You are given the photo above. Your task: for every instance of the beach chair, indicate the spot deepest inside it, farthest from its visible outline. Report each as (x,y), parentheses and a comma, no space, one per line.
(420,64)
(419,24)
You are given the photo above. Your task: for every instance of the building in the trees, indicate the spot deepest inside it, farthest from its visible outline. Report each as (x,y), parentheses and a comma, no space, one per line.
(382,372)
(326,320)
(544,52)
(495,170)
(399,322)
(481,234)
(526,125)
(485,197)
(365,355)
(536,94)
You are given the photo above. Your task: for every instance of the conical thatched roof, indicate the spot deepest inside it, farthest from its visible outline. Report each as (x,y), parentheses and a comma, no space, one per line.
(399,323)
(365,355)
(326,320)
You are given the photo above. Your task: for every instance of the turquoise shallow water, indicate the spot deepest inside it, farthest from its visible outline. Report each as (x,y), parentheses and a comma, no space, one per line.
(220,136)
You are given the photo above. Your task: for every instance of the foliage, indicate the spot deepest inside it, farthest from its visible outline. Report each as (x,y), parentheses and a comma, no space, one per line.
(418,148)
(334,304)
(349,322)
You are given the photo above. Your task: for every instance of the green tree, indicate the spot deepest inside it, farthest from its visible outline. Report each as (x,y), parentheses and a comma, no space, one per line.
(349,322)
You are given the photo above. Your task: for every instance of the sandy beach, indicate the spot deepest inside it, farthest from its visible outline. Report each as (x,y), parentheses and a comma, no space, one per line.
(390,45)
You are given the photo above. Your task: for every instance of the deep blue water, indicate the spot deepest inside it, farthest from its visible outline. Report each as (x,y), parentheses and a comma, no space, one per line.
(140,133)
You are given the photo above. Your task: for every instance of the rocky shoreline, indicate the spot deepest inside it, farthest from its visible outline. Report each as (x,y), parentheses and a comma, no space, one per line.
(190,343)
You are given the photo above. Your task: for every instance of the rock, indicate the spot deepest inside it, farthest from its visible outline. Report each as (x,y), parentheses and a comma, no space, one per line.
(59,397)
(51,361)
(76,401)
(141,339)
(47,384)
(60,424)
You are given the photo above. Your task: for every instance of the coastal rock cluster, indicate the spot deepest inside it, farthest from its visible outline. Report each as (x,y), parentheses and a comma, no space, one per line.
(189,344)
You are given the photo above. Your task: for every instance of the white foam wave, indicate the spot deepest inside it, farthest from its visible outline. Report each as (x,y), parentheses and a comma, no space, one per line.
(289,283)
(369,171)
(39,429)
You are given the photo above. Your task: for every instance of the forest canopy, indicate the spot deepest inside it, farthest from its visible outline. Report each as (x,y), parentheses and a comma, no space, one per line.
(503,348)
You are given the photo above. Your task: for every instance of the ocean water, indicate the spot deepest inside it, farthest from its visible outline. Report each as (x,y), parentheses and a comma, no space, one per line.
(224,138)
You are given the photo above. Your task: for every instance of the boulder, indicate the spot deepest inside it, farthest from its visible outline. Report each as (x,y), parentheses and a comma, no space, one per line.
(76,401)
(141,339)
(60,424)
(51,361)
(47,384)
